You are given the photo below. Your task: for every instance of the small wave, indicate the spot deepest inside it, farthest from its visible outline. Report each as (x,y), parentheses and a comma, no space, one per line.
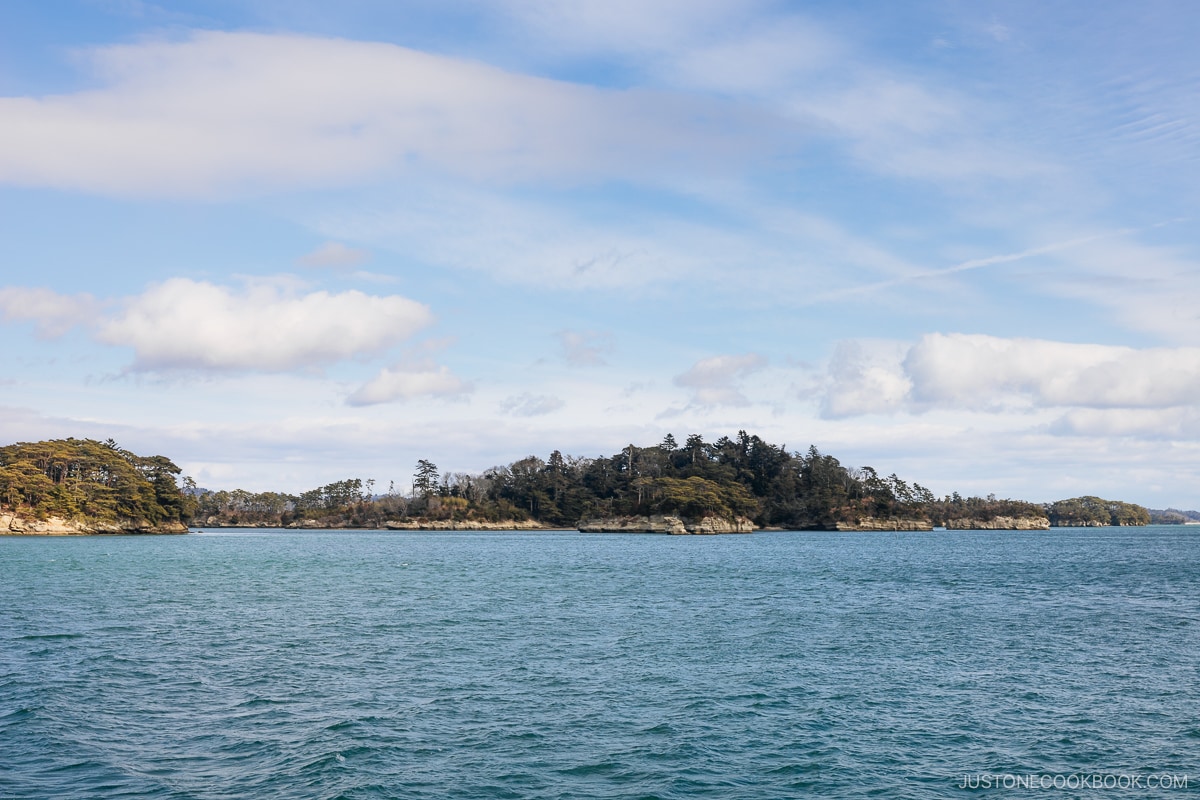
(48,637)
(600,768)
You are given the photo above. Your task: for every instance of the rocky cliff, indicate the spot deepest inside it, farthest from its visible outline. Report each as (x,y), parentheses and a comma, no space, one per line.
(57,526)
(999,524)
(891,524)
(462,525)
(661,523)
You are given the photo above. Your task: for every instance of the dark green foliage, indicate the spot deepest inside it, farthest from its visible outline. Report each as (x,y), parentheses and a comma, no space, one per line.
(86,479)
(731,477)
(1089,511)
(956,507)
(742,476)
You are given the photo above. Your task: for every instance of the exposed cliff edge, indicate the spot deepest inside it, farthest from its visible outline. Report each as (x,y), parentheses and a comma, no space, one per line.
(463,525)
(999,524)
(887,524)
(664,523)
(57,526)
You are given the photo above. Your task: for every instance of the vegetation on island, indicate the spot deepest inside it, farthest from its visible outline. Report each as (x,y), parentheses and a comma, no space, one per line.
(955,507)
(1173,516)
(1094,511)
(730,478)
(82,479)
(742,476)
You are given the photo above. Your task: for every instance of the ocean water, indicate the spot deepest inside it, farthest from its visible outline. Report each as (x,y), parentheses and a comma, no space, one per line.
(359,664)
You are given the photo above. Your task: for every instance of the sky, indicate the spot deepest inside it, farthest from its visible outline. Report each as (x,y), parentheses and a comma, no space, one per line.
(289,242)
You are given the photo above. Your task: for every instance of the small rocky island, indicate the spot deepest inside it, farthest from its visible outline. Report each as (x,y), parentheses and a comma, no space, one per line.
(667,523)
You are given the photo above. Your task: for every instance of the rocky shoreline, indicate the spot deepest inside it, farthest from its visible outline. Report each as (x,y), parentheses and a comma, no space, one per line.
(340,524)
(887,524)
(57,526)
(665,523)
(656,523)
(1000,524)
(464,525)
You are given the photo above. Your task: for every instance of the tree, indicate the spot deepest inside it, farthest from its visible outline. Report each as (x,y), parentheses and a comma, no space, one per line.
(425,479)
(83,478)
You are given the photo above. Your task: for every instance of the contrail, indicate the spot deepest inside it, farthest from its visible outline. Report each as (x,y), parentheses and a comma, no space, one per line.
(979,263)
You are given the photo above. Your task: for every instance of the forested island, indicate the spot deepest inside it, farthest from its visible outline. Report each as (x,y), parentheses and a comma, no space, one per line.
(80,486)
(731,485)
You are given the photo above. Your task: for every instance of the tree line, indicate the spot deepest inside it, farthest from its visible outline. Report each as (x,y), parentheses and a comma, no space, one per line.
(83,478)
(730,477)
(742,476)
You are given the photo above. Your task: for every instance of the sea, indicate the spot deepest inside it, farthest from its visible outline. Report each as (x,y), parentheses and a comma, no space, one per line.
(555,664)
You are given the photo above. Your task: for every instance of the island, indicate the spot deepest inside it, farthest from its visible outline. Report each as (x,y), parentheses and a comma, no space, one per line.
(68,487)
(733,485)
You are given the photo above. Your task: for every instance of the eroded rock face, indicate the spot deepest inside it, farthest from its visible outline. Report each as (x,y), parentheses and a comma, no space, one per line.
(1000,524)
(891,524)
(57,526)
(461,525)
(665,523)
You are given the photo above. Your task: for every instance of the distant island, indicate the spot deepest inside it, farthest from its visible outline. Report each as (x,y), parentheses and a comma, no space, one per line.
(732,485)
(1173,516)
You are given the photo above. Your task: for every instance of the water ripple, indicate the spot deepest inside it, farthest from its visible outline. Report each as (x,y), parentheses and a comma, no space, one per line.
(411,665)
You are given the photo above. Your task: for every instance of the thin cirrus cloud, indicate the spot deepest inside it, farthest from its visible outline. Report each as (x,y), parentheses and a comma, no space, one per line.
(224,111)
(334,255)
(714,381)
(182,324)
(53,314)
(988,373)
(531,405)
(795,69)
(585,348)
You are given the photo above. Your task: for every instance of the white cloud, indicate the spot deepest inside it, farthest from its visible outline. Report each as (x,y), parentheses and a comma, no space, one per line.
(973,371)
(54,314)
(999,31)
(751,247)
(222,111)
(404,382)
(1178,424)
(804,76)
(531,405)
(1148,287)
(902,127)
(334,255)
(585,348)
(185,324)
(713,381)
(866,378)
(761,62)
(987,373)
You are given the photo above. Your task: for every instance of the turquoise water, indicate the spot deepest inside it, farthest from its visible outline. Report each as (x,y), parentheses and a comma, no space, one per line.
(279,664)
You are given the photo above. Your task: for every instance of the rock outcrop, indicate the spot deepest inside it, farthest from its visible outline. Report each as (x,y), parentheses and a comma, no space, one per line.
(664,523)
(889,524)
(57,526)
(463,525)
(1000,524)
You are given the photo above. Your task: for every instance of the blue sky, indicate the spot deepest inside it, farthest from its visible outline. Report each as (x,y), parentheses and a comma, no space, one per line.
(286,243)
